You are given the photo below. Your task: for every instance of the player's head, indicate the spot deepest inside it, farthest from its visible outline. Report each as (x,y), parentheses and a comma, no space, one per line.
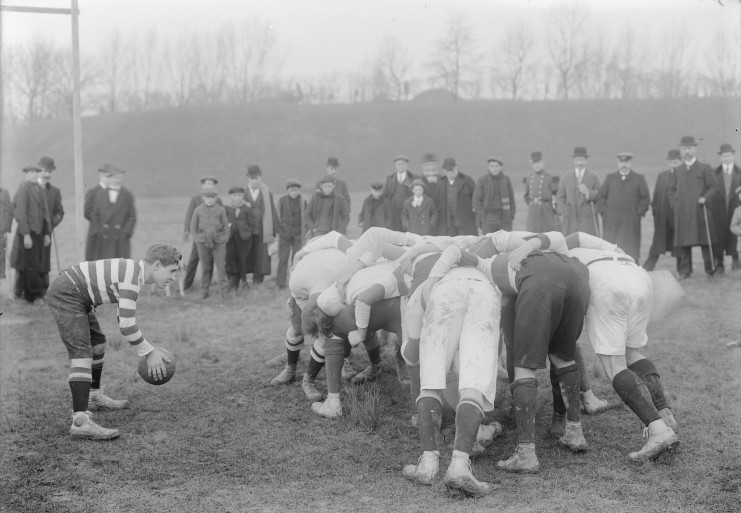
(163,261)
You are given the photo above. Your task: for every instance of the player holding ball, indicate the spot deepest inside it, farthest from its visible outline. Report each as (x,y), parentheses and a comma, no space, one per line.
(73,297)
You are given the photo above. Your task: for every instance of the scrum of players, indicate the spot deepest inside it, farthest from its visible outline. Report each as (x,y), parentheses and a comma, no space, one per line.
(454,304)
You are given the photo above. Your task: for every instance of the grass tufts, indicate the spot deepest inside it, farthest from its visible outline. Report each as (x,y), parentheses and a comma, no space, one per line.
(364,405)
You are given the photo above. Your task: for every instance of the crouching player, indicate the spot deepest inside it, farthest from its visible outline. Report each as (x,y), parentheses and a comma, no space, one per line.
(73,297)
(461,329)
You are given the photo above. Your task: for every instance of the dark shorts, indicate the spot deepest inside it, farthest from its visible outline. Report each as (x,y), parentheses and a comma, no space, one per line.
(76,321)
(549,309)
(384,315)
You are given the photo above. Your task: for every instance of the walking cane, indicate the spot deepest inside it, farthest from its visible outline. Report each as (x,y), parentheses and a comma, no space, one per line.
(707,232)
(56,252)
(596,223)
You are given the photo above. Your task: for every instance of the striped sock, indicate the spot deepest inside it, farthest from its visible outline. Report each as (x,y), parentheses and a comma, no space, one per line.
(293,346)
(80,378)
(317,354)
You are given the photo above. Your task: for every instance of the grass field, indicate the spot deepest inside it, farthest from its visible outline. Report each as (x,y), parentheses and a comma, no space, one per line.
(219,438)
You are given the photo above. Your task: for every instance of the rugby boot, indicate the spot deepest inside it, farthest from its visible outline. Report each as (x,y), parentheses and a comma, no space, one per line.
(661,438)
(371,373)
(425,471)
(488,432)
(460,477)
(573,437)
(83,427)
(668,416)
(286,376)
(558,425)
(330,407)
(277,361)
(592,404)
(310,390)
(97,400)
(348,371)
(523,461)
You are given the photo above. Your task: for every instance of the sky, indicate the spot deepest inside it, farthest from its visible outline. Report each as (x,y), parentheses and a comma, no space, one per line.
(317,37)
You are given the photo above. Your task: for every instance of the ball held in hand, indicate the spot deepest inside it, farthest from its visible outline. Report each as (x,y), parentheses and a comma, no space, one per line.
(144,370)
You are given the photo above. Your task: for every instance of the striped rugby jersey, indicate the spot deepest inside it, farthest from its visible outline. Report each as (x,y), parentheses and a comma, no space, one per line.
(115,280)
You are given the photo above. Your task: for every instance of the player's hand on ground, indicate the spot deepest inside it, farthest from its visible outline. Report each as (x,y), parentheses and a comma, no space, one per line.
(27,241)
(354,338)
(156,363)
(47,240)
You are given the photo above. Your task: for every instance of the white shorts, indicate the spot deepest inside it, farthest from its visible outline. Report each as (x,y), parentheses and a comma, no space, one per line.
(461,335)
(619,307)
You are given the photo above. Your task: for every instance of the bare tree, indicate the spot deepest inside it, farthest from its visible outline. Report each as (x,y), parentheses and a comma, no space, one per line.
(723,62)
(391,70)
(455,61)
(673,72)
(250,51)
(626,62)
(566,41)
(114,66)
(31,72)
(514,59)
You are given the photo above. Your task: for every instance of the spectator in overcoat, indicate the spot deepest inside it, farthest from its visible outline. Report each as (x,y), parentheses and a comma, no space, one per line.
(375,211)
(291,212)
(540,195)
(210,229)
(696,188)
(53,199)
(455,202)
(577,192)
(260,201)
(239,245)
(494,199)
(340,187)
(397,189)
(419,214)
(207,181)
(326,212)
(728,178)
(623,200)
(662,209)
(112,217)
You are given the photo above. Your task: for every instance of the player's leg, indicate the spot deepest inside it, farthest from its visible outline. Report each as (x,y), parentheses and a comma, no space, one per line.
(98,400)
(646,370)
(316,363)
(335,350)
(374,370)
(591,403)
(429,414)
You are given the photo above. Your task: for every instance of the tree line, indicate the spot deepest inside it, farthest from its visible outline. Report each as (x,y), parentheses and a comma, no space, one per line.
(240,63)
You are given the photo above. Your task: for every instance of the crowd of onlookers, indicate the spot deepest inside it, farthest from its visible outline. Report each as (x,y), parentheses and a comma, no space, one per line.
(693,204)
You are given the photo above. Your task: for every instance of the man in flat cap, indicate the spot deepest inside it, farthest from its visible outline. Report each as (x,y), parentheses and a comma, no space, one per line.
(455,202)
(396,189)
(112,217)
(623,200)
(340,187)
(494,199)
(375,211)
(431,176)
(53,199)
(207,181)
(540,194)
(662,209)
(696,188)
(728,178)
(327,211)
(259,200)
(291,212)
(576,195)
(32,236)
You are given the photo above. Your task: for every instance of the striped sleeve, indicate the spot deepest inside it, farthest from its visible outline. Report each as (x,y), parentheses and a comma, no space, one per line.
(130,274)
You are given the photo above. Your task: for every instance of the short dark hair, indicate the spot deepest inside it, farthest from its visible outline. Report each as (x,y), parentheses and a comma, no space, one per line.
(166,254)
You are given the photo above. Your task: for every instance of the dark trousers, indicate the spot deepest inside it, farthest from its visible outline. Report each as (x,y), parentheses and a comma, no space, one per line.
(190,274)
(287,249)
(684,260)
(237,258)
(493,223)
(210,258)
(29,283)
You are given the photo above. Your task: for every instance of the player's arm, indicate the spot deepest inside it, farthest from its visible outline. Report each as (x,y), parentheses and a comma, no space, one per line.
(587,241)
(363,304)
(452,256)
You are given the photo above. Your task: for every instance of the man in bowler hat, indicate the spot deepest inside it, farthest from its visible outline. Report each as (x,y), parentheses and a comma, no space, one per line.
(576,195)
(728,178)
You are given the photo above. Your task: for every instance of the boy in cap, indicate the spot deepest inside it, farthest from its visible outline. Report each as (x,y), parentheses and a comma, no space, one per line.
(240,238)
(32,235)
(397,189)
(265,218)
(662,209)
(210,229)
(112,217)
(494,199)
(53,198)
(327,211)
(340,187)
(623,200)
(419,214)
(375,211)
(73,298)
(291,208)
(728,178)
(190,273)
(540,192)
(6,221)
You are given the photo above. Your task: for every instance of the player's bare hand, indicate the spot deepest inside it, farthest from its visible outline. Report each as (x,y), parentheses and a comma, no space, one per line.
(47,240)
(156,364)
(354,338)
(517,256)
(27,241)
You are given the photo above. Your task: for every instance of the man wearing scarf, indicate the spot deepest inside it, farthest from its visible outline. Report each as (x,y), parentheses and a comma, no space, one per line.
(494,199)
(259,200)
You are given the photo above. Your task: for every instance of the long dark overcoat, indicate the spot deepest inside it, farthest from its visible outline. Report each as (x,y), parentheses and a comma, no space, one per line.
(689,223)
(458,219)
(662,209)
(111,224)
(725,203)
(623,201)
(578,212)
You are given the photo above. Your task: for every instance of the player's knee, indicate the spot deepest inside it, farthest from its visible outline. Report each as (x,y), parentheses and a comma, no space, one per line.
(294,339)
(560,362)
(431,394)
(99,349)
(473,397)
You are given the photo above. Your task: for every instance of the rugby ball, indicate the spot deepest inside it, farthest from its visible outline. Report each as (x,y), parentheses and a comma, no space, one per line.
(144,371)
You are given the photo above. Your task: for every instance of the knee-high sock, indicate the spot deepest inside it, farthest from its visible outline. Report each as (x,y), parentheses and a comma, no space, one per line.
(569,379)
(293,347)
(558,405)
(80,377)
(468,417)
(650,376)
(583,372)
(312,370)
(97,370)
(635,394)
(525,399)
(334,356)
(429,415)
